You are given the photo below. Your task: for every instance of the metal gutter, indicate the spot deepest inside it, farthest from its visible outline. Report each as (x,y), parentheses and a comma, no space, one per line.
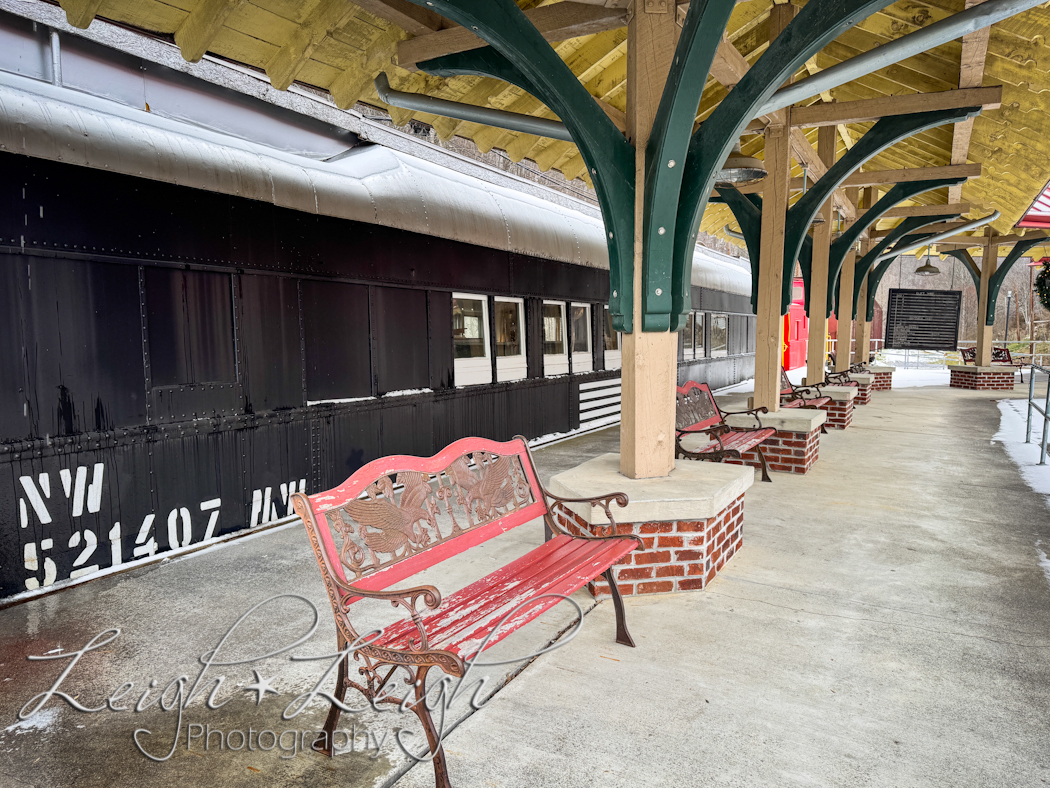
(940,237)
(513,121)
(971,20)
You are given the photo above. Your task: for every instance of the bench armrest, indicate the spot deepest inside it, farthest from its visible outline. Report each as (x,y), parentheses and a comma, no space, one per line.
(753,412)
(716,433)
(402,597)
(602,501)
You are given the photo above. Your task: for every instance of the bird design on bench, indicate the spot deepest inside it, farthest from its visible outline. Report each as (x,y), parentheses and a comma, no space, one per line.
(387,527)
(490,492)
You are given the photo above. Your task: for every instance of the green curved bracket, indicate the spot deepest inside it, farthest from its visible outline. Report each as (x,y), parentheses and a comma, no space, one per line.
(665,156)
(864,264)
(884,134)
(999,276)
(963,256)
(520,55)
(875,277)
(841,245)
(816,25)
(747,209)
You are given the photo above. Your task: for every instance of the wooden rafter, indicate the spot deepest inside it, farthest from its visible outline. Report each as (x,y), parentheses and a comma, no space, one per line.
(971,75)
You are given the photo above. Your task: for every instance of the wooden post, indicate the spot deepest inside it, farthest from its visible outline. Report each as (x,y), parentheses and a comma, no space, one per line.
(770,321)
(650,359)
(818,276)
(989,261)
(862,330)
(769,330)
(844,329)
(844,325)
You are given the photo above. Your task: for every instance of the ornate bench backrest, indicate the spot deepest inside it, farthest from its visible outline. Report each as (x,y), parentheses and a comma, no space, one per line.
(696,407)
(969,355)
(785,383)
(399,515)
(1001,355)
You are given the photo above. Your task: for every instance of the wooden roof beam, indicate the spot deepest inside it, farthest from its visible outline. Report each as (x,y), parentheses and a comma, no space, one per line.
(80,13)
(881,177)
(950,209)
(411,18)
(556,22)
(971,75)
(200,27)
(290,59)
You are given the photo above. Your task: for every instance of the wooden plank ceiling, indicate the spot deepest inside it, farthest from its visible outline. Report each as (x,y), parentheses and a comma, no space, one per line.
(340,46)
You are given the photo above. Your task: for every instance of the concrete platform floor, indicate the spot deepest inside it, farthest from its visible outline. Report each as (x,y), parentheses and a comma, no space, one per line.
(887,623)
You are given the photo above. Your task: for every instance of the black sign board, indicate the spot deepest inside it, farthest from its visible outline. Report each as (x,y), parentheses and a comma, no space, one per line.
(923,319)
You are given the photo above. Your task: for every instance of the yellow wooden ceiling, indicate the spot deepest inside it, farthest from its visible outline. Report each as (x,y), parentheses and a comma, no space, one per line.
(340,47)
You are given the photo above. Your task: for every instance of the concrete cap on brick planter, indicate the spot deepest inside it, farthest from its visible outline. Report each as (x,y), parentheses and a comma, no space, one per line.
(695,490)
(837,393)
(1003,368)
(873,370)
(862,378)
(784,420)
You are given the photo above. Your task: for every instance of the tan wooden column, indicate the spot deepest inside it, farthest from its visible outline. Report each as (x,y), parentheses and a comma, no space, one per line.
(862,328)
(844,329)
(770,321)
(989,262)
(818,272)
(650,359)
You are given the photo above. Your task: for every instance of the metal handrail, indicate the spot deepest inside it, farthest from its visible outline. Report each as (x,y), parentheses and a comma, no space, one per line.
(1043,410)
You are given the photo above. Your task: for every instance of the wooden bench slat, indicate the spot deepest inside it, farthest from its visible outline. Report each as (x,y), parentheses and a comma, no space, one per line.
(561,566)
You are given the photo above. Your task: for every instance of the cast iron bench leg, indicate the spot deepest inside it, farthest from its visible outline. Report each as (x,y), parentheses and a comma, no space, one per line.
(441,779)
(323,743)
(623,637)
(765,466)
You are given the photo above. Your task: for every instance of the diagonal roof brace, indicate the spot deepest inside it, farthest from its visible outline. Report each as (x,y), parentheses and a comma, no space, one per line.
(939,237)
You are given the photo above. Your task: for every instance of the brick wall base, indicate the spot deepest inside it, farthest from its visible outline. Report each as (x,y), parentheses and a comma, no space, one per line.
(683,555)
(883,381)
(840,414)
(983,381)
(787,452)
(863,394)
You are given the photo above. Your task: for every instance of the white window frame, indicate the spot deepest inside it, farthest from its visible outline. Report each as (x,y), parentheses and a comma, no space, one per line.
(613,358)
(514,367)
(583,361)
(475,371)
(702,347)
(719,353)
(557,363)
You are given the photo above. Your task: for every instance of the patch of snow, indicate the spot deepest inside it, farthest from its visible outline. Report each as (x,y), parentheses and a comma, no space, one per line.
(910,378)
(407,392)
(1044,562)
(43,720)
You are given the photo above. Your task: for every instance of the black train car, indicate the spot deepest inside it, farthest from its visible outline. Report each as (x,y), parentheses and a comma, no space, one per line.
(191,333)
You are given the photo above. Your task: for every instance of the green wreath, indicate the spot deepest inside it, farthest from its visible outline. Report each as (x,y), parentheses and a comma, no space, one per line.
(1042,283)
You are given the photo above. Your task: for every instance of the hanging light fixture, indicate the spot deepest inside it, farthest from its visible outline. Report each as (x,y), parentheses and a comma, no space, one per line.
(740,170)
(927,268)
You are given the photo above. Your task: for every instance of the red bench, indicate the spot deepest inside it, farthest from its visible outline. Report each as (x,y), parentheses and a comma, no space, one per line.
(399,515)
(697,412)
(792,396)
(1000,355)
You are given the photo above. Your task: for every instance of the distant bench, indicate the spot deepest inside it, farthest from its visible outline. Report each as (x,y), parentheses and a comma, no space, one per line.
(1000,355)
(367,535)
(696,412)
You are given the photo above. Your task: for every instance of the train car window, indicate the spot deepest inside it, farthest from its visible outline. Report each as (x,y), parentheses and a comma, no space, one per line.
(687,336)
(582,361)
(511,362)
(470,322)
(719,335)
(190,319)
(613,358)
(699,348)
(555,357)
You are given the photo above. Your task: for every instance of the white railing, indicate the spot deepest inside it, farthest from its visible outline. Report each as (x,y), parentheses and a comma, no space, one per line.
(1042,410)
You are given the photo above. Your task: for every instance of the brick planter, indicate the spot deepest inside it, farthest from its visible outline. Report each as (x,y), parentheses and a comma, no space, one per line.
(840,409)
(865,385)
(690,522)
(883,378)
(982,378)
(681,555)
(794,448)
